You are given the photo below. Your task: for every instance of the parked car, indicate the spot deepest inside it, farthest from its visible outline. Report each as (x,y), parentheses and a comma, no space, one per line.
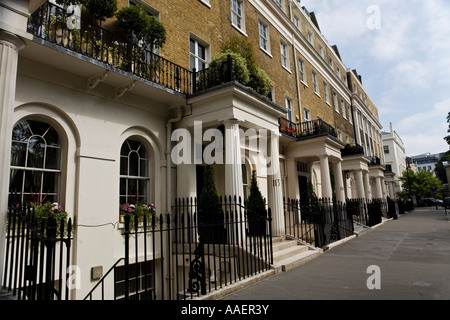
(429,202)
(447,202)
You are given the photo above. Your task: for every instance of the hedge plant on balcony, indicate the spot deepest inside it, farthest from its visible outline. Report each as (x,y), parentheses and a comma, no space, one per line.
(259,80)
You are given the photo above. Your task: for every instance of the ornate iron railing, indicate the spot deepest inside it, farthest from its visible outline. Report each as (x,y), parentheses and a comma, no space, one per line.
(306,129)
(52,23)
(38,255)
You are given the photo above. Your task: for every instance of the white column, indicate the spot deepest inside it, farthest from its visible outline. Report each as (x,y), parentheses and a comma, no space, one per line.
(379,188)
(292,183)
(360,184)
(339,181)
(325,177)
(274,186)
(233,160)
(367,190)
(10,45)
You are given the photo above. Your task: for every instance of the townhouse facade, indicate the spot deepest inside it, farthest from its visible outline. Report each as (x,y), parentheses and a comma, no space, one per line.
(395,157)
(80,130)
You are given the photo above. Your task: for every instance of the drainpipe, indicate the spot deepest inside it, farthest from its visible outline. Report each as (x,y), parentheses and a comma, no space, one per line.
(169,126)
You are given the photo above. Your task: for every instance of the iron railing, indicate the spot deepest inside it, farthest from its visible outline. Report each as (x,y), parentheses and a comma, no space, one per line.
(317,223)
(352,150)
(38,255)
(184,255)
(50,23)
(307,129)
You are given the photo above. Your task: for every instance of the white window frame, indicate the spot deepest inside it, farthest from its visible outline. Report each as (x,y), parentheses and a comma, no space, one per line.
(264,36)
(301,67)
(238,15)
(289,106)
(195,55)
(306,115)
(284,55)
(343,109)
(326,92)
(315,83)
(335,102)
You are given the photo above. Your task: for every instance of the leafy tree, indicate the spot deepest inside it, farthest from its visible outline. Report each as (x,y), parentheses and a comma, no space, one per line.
(447,138)
(440,169)
(420,182)
(70,2)
(101,9)
(210,213)
(256,209)
(258,78)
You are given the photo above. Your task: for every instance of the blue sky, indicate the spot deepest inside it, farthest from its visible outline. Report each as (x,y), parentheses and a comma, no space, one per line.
(401,49)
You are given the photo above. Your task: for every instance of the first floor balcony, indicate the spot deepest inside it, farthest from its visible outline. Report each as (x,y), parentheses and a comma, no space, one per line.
(305,130)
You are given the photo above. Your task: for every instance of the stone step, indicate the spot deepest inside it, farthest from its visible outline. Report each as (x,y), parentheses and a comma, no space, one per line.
(6,295)
(288,254)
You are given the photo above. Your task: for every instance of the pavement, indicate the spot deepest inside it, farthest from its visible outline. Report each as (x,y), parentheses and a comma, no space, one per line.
(403,259)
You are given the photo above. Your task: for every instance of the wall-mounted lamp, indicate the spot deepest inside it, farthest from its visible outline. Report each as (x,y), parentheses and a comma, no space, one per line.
(347,174)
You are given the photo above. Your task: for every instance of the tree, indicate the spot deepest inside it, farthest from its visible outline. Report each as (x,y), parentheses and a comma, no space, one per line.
(210,213)
(101,9)
(440,169)
(447,138)
(258,78)
(135,21)
(256,209)
(421,184)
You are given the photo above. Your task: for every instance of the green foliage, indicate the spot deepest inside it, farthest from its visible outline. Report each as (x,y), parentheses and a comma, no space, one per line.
(447,138)
(43,211)
(219,67)
(70,2)
(440,169)
(256,209)
(209,200)
(135,21)
(420,183)
(132,20)
(255,200)
(258,78)
(101,9)
(210,213)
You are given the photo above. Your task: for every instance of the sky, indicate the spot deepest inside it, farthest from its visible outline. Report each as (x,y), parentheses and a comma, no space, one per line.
(401,49)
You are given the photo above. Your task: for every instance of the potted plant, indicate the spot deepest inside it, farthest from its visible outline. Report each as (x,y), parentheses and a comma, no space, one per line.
(210,214)
(256,210)
(137,212)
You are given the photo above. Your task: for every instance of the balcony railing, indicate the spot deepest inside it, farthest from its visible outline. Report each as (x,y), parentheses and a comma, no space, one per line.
(352,150)
(50,23)
(306,129)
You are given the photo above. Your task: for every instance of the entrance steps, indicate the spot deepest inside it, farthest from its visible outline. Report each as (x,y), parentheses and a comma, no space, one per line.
(290,253)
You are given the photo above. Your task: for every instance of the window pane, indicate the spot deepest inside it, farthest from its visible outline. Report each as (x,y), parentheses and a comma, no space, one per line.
(52,137)
(124,166)
(15,181)
(36,151)
(133,167)
(32,185)
(18,154)
(21,132)
(192,46)
(50,183)
(52,158)
(144,168)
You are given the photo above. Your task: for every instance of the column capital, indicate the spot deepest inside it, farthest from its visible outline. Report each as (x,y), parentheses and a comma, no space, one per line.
(11,40)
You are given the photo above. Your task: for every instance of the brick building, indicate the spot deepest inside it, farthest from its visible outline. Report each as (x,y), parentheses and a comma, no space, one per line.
(91,116)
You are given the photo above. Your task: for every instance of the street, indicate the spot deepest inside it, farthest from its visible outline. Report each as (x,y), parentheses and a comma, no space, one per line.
(404,259)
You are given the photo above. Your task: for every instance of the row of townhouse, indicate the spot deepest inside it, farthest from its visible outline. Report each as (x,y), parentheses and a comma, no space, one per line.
(80,130)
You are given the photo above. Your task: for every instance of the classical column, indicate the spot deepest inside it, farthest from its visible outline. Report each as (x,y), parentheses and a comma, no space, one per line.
(367,185)
(274,186)
(10,45)
(360,184)
(339,181)
(292,177)
(233,160)
(325,177)
(379,188)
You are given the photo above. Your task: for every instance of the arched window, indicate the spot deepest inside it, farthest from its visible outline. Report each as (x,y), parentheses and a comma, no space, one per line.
(134,173)
(35,163)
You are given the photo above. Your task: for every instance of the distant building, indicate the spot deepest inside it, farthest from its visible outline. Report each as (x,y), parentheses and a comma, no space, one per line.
(395,160)
(426,161)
